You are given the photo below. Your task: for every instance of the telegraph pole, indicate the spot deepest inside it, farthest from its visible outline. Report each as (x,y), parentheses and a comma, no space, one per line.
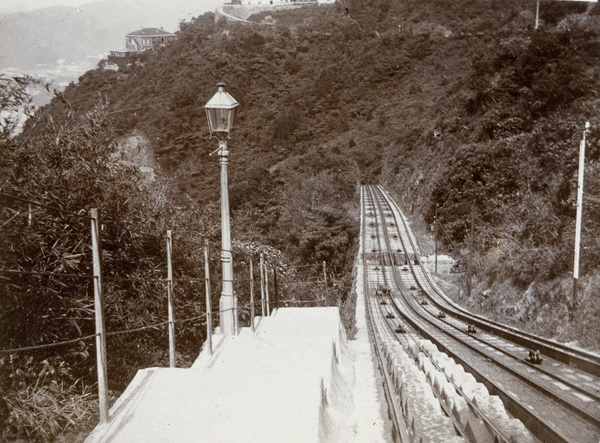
(471,251)
(579,213)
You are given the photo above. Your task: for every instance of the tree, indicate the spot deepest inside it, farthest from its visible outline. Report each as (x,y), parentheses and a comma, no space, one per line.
(16,102)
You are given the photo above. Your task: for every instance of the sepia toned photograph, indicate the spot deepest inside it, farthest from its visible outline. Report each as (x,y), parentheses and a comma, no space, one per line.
(281,221)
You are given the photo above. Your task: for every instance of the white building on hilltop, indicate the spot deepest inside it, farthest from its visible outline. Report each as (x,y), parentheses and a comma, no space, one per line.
(240,10)
(277,2)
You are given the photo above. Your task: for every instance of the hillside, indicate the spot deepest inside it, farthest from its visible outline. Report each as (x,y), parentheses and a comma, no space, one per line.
(461,106)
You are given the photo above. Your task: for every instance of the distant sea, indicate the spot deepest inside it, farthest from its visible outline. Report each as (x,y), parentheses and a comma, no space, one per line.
(59,75)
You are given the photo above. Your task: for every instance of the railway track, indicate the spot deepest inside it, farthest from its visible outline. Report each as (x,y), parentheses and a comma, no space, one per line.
(557,400)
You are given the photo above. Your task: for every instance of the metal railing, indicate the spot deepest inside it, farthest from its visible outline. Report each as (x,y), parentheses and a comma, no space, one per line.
(97,278)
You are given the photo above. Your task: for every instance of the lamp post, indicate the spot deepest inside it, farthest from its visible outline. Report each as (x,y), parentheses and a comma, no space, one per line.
(220,111)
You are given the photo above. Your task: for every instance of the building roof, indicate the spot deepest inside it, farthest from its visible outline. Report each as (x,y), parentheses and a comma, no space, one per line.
(150,32)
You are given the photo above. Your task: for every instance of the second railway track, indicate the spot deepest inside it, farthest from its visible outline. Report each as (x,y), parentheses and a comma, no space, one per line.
(556,400)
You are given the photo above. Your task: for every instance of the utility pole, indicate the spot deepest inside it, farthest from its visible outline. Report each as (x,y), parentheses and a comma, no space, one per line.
(537,15)
(470,268)
(579,214)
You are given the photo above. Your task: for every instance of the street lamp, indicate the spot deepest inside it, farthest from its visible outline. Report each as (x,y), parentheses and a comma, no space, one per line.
(220,111)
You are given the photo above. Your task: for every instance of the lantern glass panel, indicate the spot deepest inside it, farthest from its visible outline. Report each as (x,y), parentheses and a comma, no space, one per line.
(220,119)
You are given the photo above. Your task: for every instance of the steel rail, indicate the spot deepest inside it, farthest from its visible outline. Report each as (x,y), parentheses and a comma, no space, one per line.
(499,436)
(396,413)
(555,395)
(457,425)
(579,358)
(520,360)
(495,430)
(546,432)
(590,393)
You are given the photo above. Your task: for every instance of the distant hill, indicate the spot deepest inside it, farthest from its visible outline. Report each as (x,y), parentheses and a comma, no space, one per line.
(460,108)
(70,34)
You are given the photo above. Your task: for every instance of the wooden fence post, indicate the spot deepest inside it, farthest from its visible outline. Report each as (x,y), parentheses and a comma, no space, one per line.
(325,282)
(276,288)
(262,283)
(234,312)
(267,290)
(99,314)
(208,297)
(251,294)
(170,301)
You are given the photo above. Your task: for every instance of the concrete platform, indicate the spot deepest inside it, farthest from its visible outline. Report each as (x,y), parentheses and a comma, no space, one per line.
(293,380)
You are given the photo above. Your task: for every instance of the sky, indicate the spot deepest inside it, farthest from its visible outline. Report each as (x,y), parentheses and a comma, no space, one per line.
(29,5)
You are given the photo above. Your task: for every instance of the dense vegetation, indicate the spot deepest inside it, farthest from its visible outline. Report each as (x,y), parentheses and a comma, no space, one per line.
(459,105)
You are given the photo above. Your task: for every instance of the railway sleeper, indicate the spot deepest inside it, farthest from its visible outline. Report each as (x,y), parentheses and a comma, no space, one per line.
(422,412)
(490,405)
(493,408)
(422,393)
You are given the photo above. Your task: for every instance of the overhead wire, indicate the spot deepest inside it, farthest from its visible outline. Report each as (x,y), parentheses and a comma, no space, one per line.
(47,345)
(302,266)
(10,219)
(133,231)
(45,274)
(142,328)
(40,205)
(82,214)
(108,334)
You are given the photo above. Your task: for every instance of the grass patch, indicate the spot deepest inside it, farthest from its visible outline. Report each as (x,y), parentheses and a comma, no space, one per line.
(45,413)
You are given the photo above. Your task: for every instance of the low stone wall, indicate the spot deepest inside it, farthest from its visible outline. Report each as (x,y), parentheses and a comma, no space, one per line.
(445,263)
